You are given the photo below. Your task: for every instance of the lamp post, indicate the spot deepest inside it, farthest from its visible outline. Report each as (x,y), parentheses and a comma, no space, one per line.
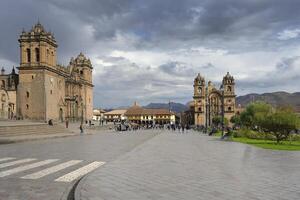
(206,111)
(222,108)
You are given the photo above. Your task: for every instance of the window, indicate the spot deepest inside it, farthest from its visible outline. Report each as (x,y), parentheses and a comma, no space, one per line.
(229,89)
(81,72)
(27,106)
(3,84)
(32,77)
(28,55)
(37,54)
(27,94)
(48,54)
(50,91)
(229,108)
(200,109)
(200,90)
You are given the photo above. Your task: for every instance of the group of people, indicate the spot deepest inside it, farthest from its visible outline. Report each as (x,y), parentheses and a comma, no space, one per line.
(179,127)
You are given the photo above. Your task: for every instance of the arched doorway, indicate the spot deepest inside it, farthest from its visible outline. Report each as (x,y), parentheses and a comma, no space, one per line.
(215,106)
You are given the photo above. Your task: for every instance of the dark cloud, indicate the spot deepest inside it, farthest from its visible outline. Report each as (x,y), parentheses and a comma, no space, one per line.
(172,28)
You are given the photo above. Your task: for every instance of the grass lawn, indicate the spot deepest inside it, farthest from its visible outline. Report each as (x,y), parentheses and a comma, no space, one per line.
(269,144)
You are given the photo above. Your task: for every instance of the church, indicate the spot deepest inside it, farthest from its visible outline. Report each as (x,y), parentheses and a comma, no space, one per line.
(43,89)
(210,102)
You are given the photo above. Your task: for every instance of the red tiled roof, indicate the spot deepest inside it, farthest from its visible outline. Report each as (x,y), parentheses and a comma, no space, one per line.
(137,110)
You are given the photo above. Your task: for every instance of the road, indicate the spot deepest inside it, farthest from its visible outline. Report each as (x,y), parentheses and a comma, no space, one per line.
(20,162)
(147,165)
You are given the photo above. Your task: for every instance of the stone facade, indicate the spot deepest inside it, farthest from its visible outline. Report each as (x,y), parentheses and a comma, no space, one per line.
(47,90)
(8,94)
(209,101)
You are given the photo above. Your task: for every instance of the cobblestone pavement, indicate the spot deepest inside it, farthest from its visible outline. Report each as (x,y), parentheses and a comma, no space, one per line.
(47,169)
(192,166)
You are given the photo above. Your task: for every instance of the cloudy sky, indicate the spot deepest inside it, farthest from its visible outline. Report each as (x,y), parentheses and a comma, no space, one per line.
(151,50)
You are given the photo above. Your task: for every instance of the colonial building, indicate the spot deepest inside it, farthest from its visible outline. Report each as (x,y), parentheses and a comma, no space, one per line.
(139,115)
(8,94)
(46,90)
(98,114)
(115,115)
(210,102)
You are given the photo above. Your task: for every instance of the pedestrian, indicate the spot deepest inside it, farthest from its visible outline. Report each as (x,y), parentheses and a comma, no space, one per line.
(81,129)
(182,126)
(67,123)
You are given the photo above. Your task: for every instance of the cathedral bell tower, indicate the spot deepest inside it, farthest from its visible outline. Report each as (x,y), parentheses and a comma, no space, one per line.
(199,100)
(229,95)
(37,80)
(37,48)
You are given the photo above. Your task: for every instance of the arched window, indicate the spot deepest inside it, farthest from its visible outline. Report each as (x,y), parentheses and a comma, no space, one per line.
(229,108)
(200,109)
(229,89)
(37,54)
(28,53)
(200,90)
(27,106)
(48,54)
(3,84)
(27,94)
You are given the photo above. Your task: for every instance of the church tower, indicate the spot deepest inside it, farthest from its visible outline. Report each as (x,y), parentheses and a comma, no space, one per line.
(228,85)
(199,100)
(37,94)
(37,48)
(81,68)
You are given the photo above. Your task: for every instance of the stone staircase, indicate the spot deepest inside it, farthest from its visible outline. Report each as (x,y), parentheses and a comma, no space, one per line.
(22,132)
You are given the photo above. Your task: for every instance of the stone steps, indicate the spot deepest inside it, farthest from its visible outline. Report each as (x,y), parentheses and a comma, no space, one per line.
(39,129)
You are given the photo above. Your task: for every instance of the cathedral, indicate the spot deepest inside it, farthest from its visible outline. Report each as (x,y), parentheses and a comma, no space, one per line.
(210,102)
(44,89)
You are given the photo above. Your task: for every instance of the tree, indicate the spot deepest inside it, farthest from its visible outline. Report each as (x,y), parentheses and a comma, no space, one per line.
(236,120)
(280,123)
(217,121)
(254,113)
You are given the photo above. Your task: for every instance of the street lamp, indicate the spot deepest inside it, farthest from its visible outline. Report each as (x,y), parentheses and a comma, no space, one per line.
(222,108)
(207,110)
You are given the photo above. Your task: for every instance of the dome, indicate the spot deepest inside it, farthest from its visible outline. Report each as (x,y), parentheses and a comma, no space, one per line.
(199,80)
(228,78)
(81,59)
(38,28)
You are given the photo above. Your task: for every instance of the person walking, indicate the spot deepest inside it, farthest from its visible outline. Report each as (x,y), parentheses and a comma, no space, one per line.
(81,129)
(67,123)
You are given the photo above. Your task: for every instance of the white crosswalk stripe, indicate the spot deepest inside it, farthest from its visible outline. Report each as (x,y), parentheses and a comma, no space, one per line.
(6,159)
(26,167)
(51,170)
(3,165)
(11,165)
(79,172)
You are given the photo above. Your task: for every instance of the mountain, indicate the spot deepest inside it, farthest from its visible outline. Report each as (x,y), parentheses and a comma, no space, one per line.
(175,107)
(275,98)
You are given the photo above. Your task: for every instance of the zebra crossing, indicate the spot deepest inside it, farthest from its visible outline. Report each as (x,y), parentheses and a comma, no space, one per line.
(10,166)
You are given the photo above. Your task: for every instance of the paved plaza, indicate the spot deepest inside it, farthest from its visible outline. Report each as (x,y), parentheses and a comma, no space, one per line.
(148,164)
